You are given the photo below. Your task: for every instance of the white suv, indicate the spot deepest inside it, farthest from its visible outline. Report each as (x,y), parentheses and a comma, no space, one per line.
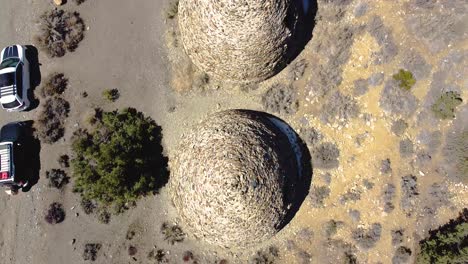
(14,79)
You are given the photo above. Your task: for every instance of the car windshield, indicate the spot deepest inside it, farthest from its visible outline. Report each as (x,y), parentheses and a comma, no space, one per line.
(13,104)
(10,62)
(7,79)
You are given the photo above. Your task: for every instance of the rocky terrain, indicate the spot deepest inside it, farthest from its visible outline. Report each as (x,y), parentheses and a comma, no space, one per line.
(378,94)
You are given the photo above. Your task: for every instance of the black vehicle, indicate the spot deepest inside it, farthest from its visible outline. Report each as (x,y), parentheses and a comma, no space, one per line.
(12,162)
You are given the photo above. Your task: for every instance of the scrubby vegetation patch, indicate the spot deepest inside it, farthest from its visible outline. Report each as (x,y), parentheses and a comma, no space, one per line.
(55,214)
(120,159)
(50,124)
(444,106)
(57,178)
(405,79)
(56,84)
(60,31)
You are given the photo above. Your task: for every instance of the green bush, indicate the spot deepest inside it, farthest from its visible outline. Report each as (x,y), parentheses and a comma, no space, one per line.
(119,160)
(405,79)
(444,107)
(447,244)
(111,94)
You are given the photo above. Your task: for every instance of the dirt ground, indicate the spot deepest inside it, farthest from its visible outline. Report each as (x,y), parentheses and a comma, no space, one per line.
(132,46)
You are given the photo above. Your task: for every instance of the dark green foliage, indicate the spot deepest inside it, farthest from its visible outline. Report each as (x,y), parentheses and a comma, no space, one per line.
(57,178)
(56,84)
(444,107)
(172,233)
(120,159)
(111,94)
(88,206)
(405,79)
(447,244)
(55,214)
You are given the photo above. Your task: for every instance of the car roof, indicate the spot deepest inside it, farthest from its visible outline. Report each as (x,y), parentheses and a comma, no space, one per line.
(10,51)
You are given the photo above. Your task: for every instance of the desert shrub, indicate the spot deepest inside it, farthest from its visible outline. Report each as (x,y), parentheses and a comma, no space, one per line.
(410,191)
(158,255)
(120,159)
(456,154)
(111,94)
(399,127)
(447,244)
(389,193)
(88,206)
(367,238)
(84,94)
(57,178)
(397,101)
(311,136)
(188,256)
(91,251)
(56,84)
(368,184)
(350,195)
(360,87)
(281,99)
(355,215)
(60,31)
(268,256)
(132,250)
(397,236)
(405,79)
(339,108)
(49,126)
(103,216)
(79,2)
(402,255)
(172,233)
(318,194)
(444,106)
(325,156)
(297,69)
(406,147)
(386,166)
(331,227)
(64,161)
(55,214)
(173,9)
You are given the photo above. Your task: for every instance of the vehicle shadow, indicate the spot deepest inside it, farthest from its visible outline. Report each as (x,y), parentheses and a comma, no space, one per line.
(35,73)
(32,149)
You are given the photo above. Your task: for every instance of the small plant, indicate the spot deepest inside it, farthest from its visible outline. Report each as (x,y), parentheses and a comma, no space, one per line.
(91,251)
(331,227)
(55,214)
(405,79)
(64,161)
(88,206)
(104,216)
(79,2)
(172,233)
(132,250)
(173,9)
(56,84)
(268,256)
(444,107)
(111,94)
(325,156)
(367,238)
(49,126)
(281,99)
(57,178)
(84,94)
(60,31)
(447,244)
(159,255)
